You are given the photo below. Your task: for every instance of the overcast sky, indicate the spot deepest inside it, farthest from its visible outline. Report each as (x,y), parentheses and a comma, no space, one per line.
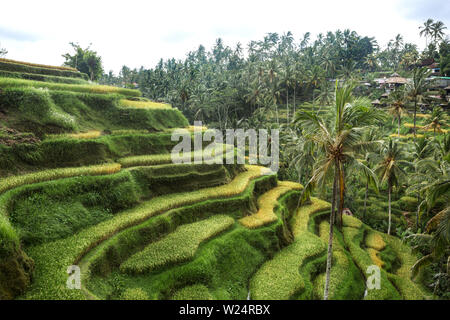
(139,33)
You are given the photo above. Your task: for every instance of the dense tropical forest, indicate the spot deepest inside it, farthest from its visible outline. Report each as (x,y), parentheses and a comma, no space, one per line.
(86,176)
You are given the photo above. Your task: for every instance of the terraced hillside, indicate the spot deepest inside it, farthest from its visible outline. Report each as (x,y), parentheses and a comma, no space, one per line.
(87,179)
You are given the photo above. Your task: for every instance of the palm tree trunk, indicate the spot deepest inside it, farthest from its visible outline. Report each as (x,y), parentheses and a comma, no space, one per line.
(415,113)
(294,100)
(389,206)
(330,239)
(365,200)
(287,105)
(417,212)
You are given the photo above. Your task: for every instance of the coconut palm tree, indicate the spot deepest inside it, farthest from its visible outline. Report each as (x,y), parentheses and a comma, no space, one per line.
(415,89)
(437,31)
(390,171)
(338,137)
(436,120)
(425,30)
(398,109)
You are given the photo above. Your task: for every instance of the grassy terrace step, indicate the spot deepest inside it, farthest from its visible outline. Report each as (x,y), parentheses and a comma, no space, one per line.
(222,267)
(147,160)
(38,65)
(111,253)
(179,246)
(270,282)
(52,258)
(55,209)
(41,77)
(346,281)
(70,152)
(54,174)
(267,204)
(353,232)
(43,112)
(402,276)
(19,66)
(84,88)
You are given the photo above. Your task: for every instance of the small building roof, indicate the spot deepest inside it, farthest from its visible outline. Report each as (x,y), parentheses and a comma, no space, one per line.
(398,80)
(376,101)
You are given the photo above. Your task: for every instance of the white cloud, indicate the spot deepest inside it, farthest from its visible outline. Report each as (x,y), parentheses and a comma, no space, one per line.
(139,33)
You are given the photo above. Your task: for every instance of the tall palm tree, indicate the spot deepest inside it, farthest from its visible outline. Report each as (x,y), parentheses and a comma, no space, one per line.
(436,120)
(416,88)
(437,31)
(338,136)
(425,30)
(390,171)
(398,108)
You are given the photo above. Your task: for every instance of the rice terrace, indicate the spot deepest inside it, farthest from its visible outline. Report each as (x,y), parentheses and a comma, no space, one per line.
(334,183)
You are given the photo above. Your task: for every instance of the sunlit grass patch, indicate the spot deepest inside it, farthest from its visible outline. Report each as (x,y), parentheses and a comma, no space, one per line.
(267,204)
(405,136)
(375,241)
(143,104)
(373,253)
(91,134)
(301,219)
(179,246)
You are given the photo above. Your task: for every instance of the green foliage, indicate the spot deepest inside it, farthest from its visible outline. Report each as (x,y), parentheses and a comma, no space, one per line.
(85,60)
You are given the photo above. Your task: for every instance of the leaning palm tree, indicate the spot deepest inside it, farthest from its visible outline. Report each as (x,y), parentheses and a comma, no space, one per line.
(436,120)
(390,171)
(398,107)
(425,30)
(339,139)
(415,89)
